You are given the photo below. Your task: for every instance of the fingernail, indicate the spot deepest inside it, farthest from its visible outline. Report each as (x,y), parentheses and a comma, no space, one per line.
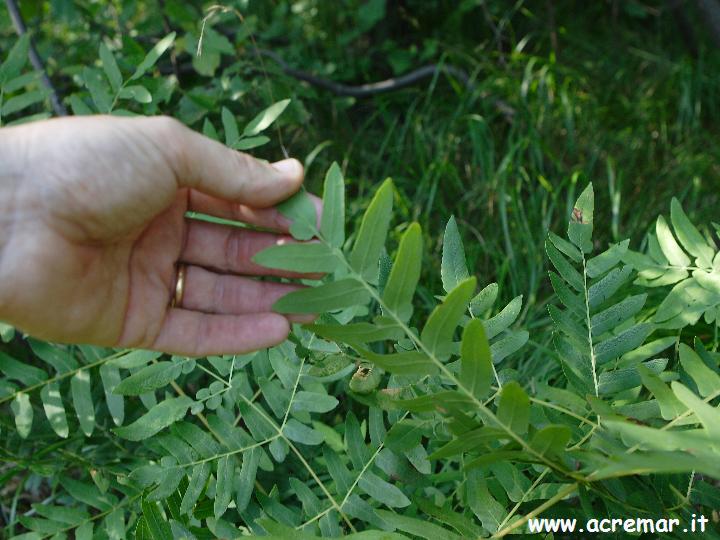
(289,167)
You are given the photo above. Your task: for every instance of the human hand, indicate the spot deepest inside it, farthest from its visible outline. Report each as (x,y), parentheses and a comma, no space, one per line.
(92,226)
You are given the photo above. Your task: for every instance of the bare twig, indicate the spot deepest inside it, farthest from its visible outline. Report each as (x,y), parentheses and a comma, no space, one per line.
(365,90)
(35,60)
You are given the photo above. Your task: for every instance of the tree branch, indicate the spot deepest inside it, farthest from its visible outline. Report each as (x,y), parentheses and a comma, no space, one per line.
(35,60)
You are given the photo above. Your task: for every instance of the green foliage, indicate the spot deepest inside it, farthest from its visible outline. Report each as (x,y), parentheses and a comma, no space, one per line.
(419,404)
(262,446)
(687,259)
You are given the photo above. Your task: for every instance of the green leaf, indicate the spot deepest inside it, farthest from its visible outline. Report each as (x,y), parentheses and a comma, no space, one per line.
(62,514)
(504,319)
(487,509)
(79,108)
(88,494)
(20,371)
(670,248)
(514,408)
(646,351)
(327,297)
(439,401)
(232,135)
(371,236)
(361,332)
(626,341)
(149,378)
(16,59)
(300,210)
(405,435)
(689,236)
(355,442)
(550,441)
(484,300)
(382,491)
(476,371)
(298,257)
(602,290)
(157,526)
(80,389)
(405,273)
(564,268)
(56,355)
(23,101)
(685,304)
(152,57)
(504,347)
(402,363)
(295,431)
(112,72)
(54,409)
(477,440)
(115,524)
(670,406)
(439,330)
(313,402)
(332,224)
(565,247)
(23,411)
(708,415)
(600,264)
(453,269)
(99,91)
(196,485)
(611,382)
(265,118)
(338,471)
(245,481)
(223,485)
(134,359)
(416,527)
(156,419)
(136,92)
(580,227)
(707,381)
(615,315)
(110,376)
(250,142)
(209,130)
(569,299)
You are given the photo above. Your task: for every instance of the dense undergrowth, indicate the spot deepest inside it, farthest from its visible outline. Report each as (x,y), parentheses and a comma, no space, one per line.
(452,386)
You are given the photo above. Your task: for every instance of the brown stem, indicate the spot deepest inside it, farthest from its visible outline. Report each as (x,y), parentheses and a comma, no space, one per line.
(35,60)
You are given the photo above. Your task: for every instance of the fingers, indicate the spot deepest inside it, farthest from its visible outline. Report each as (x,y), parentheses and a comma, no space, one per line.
(213,168)
(230,249)
(233,295)
(191,333)
(268,218)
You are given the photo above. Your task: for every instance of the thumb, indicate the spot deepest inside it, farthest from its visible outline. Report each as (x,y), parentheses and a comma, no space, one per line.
(210,167)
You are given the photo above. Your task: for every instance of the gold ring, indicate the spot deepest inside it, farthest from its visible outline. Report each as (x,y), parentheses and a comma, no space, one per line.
(179,286)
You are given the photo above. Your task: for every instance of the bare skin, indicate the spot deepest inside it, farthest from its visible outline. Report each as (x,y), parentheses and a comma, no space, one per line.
(92,226)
